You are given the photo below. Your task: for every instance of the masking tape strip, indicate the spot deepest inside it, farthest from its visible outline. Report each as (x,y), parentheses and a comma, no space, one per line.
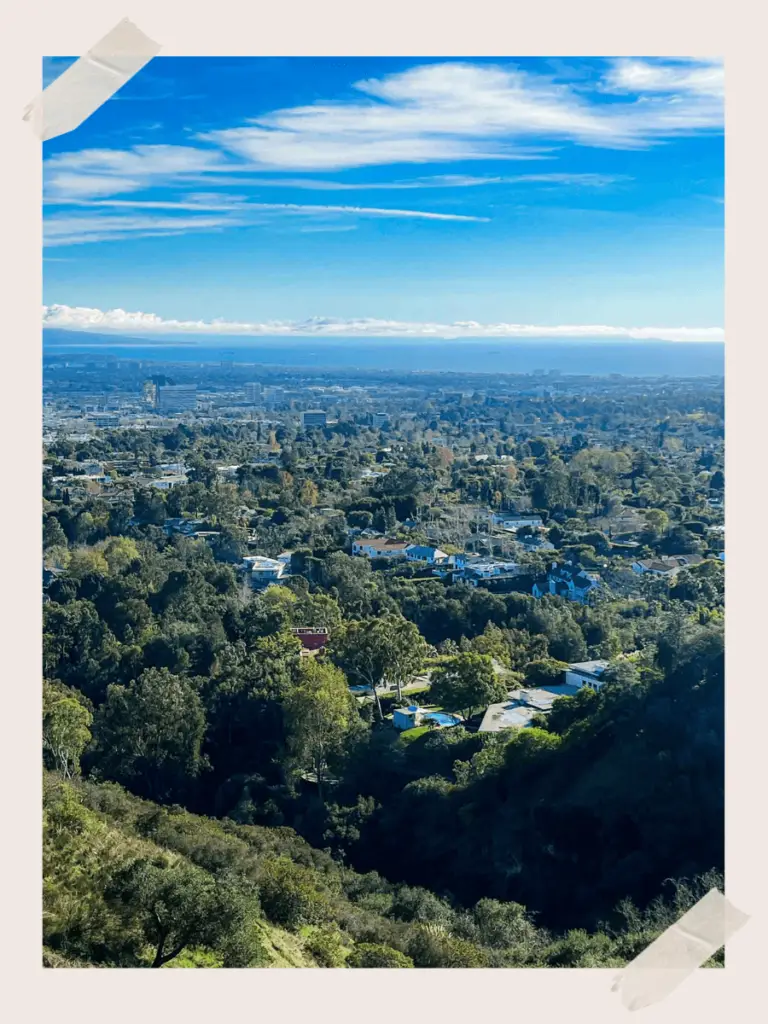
(90,81)
(680,950)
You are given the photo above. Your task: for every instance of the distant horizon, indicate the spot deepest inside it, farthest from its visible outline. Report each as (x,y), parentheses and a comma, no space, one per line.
(490,355)
(164,339)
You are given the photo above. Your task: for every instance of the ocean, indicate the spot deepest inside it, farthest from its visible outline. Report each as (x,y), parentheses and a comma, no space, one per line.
(479,355)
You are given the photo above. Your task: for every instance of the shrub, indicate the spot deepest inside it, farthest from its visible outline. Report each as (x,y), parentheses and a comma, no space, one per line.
(367,954)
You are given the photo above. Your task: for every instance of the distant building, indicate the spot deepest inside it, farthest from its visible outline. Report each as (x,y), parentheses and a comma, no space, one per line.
(666,566)
(586,673)
(522,707)
(514,521)
(312,638)
(488,569)
(264,571)
(253,392)
(426,553)
(380,548)
(177,398)
(569,581)
(314,418)
(104,420)
(167,483)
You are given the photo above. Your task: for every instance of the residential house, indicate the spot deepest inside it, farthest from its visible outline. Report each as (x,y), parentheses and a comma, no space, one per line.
(666,566)
(655,567)
(488,569)
(535,542)
(515,521)
(186,527)
(426,553)
(167,483)
(312,638)
(521,707)
(569,581)
(382,548)
(586,673)
(263,571)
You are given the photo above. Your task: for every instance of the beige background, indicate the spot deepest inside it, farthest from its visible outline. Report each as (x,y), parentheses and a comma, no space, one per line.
(735,29)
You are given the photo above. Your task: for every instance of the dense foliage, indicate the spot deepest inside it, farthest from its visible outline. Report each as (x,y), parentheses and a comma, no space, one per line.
(217,797)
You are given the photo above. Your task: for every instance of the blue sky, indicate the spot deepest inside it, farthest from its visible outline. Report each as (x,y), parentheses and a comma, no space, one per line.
(393,195)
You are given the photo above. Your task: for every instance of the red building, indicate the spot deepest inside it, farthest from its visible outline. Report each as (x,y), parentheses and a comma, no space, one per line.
(312,637)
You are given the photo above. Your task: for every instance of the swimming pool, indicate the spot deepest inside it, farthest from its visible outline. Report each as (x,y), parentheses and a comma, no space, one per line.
(442,718)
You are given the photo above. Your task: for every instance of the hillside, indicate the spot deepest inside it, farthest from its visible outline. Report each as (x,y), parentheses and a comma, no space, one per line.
(125,879)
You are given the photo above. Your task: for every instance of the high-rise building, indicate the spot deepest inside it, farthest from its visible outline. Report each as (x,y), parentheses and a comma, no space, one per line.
(177,397)
(252,391)
(314,418)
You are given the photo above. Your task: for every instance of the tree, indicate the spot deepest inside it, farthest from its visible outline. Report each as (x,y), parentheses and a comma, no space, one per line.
(120,552)
(322,718)
(149,734)
(179,905)
(545,672)
(292,895)
(84,561)
(308,494)
(657,520)
(371,954)
(467,682)
(66,728)
(53,535)
(387,651)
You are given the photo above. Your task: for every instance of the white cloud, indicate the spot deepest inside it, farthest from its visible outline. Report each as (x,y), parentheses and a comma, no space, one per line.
(700,77)
(118,320)
(463,111)
(78,230)
(456,111)
(588,180)
(90,171)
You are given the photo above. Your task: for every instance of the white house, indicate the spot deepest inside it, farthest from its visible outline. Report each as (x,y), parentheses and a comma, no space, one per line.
(489,569)
(264,571)
(514,521)
(167,483)
(425,553)
(379,548)
(667,565)
(586,673)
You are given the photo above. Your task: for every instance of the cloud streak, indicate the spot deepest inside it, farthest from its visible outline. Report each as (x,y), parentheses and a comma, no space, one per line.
(143,222)
(85,319)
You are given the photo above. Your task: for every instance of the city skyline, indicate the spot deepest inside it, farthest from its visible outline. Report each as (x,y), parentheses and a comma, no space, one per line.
(546,197)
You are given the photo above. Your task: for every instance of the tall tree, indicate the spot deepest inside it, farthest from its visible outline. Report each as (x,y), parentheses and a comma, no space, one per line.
(66,728)
(467,682)
(322,719)
(149,734)
(387,651)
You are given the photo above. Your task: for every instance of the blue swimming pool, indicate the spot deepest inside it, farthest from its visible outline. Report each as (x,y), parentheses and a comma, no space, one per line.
(442,718)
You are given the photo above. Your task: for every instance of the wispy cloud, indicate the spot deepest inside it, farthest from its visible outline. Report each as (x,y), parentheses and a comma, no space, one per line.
(432,113)
(691,76)
(586,180)
(118,320)
(79,230)
(462,111)
(73,229)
